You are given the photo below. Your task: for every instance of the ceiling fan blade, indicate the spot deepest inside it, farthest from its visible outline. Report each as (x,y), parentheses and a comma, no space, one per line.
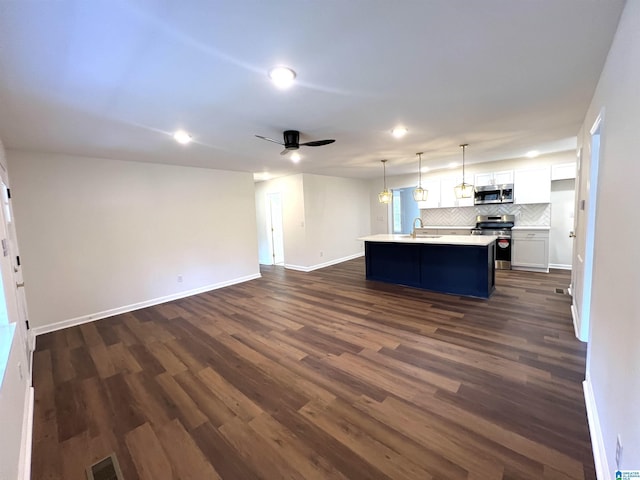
(270,139)
(318,143)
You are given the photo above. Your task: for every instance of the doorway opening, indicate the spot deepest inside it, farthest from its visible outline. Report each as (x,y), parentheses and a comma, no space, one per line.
(404,209)
(275,233)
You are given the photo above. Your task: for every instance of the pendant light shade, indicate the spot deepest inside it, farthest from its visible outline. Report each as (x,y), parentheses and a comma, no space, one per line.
(464,190)
(420,194)
(385,195)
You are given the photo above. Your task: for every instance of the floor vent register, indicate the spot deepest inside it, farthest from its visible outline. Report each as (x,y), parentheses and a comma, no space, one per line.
(106,469)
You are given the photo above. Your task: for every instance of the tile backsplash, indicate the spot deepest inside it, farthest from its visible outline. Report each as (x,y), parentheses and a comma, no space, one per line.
(534,214)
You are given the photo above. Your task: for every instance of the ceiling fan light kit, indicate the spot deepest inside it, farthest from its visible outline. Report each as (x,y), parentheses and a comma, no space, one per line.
(420,194)
(385,195)
(463,190)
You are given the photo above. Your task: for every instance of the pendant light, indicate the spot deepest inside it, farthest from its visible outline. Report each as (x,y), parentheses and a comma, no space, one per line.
(420,194)
(385,195)
(464,190)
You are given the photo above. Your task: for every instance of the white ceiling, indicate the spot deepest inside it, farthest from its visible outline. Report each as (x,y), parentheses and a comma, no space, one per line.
(115,79)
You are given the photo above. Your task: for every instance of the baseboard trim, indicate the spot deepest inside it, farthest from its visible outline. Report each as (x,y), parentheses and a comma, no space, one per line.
(24,469)
(72,322)
(560,266)
(576,320)
(597,442)
(529,269)
(300,268)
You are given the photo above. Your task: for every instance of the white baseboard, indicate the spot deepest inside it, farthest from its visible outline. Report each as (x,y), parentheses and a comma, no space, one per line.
(597,442)
(72,322)
(560,266)
(24,469)
(300,268)
(576,320)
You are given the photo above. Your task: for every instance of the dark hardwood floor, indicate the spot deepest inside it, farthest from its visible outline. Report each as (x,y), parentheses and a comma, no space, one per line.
(321,375)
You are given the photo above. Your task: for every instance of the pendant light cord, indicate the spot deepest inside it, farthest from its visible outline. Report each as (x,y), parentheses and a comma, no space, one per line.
(463,145)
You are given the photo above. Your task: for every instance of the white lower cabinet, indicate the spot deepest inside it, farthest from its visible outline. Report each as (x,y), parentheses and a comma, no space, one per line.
(530,250)
(454,231)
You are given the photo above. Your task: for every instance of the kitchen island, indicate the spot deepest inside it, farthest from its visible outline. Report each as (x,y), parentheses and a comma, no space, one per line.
(454,264)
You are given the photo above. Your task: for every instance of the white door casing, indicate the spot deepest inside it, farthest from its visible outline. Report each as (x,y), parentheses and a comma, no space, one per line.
(12,276)
(584,228)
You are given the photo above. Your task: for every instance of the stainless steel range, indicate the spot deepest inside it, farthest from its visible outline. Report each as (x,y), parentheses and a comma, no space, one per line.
(499,226)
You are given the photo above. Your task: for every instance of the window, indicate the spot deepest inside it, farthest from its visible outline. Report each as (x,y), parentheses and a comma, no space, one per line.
(404,209)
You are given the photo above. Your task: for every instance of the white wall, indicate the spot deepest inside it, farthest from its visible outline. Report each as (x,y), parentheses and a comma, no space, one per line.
(562,216)
(319,214)
(613,362)
(336,213)
(100,235)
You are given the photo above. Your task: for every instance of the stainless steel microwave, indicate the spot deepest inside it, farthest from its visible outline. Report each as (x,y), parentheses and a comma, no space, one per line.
(488,194)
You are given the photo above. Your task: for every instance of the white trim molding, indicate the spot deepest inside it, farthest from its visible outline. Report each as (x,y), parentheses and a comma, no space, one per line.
(72,322)
(24,469)
(597,442)
(560,266)
(301,268)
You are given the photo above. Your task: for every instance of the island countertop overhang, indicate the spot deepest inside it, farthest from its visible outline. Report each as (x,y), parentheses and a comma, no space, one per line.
(464,240)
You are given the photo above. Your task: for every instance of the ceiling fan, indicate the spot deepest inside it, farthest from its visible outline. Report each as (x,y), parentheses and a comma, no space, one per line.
(292,141)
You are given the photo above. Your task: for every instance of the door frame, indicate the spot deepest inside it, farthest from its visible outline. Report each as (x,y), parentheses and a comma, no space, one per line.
(581,307)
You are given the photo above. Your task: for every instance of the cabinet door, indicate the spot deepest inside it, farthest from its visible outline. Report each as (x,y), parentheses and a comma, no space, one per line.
(563,171)
(448,196)
(483,179)
(433,197)
(454,231)
(502,178)
(532,185)
(530,249)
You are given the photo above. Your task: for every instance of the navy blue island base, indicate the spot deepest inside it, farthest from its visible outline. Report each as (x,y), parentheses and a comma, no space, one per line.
(467,270)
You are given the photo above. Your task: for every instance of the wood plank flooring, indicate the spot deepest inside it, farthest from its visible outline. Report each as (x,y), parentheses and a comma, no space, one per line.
(321,375)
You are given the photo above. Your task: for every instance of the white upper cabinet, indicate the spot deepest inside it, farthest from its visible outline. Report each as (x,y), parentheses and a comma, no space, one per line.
(532,185)
(448,196)
(563,171)
(433,197)
(493,178)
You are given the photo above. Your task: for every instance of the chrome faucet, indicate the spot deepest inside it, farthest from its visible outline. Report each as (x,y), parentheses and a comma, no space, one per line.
(413,234)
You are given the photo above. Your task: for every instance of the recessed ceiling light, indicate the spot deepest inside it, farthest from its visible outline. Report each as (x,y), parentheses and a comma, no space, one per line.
(282,77)
(533,153)
(295,157)
(182,137)
(453,165)
(399,132)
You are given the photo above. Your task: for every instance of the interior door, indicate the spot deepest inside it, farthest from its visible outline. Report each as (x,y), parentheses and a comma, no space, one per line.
(584,228)
(12,271)
(276,234)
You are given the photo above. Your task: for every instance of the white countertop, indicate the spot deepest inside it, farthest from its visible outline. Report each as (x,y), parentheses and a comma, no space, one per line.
(470,240)
(451,227)
(534,227)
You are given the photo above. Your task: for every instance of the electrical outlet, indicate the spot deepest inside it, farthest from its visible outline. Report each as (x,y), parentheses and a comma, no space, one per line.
(179,278)
(322,254)
(20,371)
(618,451)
